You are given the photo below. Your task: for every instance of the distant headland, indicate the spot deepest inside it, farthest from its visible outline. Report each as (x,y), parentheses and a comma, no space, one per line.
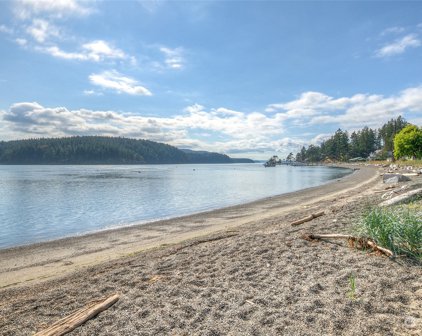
(103,150)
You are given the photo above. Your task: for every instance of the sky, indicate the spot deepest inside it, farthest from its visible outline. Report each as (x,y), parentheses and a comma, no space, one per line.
(245,78)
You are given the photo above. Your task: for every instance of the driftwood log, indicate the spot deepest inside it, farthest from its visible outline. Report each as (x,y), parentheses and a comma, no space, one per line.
(307,218)
(78,318)
(362,243)
(401,198)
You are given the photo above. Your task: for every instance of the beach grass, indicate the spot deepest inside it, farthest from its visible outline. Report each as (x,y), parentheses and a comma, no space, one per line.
(398,228)
(352,287)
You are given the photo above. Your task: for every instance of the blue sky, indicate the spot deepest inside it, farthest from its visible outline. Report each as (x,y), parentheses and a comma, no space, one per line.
(246,78)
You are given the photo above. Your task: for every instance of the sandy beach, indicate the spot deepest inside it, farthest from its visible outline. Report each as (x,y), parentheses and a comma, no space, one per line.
(242,270)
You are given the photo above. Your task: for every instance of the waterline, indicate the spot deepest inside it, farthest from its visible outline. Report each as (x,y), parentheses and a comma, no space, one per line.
(42,203)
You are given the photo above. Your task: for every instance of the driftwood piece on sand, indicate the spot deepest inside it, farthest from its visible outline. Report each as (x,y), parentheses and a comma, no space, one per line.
(307,218)
(401,198)
(201,241)
(78,318)
(353,241)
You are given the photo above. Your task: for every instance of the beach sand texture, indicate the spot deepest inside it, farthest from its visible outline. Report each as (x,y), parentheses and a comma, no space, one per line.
(237,271)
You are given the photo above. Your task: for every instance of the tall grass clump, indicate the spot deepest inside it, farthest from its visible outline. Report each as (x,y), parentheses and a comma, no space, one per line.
(399,229)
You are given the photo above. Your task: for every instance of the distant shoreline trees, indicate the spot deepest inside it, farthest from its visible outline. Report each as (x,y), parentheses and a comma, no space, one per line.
(102,150)
(380,143)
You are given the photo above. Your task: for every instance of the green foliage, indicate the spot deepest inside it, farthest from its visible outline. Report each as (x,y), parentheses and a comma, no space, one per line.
(408,142)
(398,229)
(100,150)
(352,287)
(387,132)
(361,143)
(206,157)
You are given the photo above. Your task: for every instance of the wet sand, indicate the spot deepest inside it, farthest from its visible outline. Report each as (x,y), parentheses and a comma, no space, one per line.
(241,270)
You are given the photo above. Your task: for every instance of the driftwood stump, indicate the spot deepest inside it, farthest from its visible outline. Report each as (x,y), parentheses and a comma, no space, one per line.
(78,318)
(359,242)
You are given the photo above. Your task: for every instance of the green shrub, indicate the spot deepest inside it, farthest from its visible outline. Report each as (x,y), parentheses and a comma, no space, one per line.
(399,229)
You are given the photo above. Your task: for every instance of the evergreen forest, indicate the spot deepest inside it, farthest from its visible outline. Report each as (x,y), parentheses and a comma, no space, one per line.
(102,150)
(377,144)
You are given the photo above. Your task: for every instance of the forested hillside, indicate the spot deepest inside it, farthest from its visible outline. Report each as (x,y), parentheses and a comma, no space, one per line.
(100,150)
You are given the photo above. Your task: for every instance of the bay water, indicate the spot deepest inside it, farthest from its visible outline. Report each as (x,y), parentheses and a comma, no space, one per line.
(41,203)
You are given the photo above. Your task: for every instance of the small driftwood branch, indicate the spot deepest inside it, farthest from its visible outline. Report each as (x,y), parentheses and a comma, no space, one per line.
(362,243)
(308,218)
(78,318)
(401,198)
(201,241)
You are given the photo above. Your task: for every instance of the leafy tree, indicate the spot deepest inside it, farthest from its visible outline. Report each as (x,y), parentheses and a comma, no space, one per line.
(408,142)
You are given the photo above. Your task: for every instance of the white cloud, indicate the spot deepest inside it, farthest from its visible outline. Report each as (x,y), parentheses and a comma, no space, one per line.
(356,111)
(318,139)
(94,51)
(227,130)
(41,30)
(24,9)
(173,57)
(31,119)
(239,131)
(399,46)
(115,81)
(57,52)
(373,112)
(99,49)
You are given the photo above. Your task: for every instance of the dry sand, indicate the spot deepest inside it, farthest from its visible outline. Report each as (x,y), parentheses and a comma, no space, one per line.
(236,271)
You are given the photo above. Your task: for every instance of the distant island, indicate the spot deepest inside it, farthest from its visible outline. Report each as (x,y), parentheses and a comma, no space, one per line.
(103,150)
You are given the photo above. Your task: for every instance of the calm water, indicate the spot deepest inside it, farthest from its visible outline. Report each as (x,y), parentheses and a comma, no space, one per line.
(39,203)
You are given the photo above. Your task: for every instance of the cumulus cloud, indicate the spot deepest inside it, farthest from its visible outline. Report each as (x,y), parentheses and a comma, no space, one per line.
(34,119)
(238,131)
(115,81)
(399,46)
(41,21)
(24,9)
(226,130)
(360,109)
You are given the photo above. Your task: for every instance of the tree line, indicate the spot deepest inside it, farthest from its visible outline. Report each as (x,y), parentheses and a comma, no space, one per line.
(379,143)
(101,150)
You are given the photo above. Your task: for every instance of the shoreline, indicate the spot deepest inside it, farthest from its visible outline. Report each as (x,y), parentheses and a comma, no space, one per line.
(135,224)
(34,263)
(103,223)
(239,271)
